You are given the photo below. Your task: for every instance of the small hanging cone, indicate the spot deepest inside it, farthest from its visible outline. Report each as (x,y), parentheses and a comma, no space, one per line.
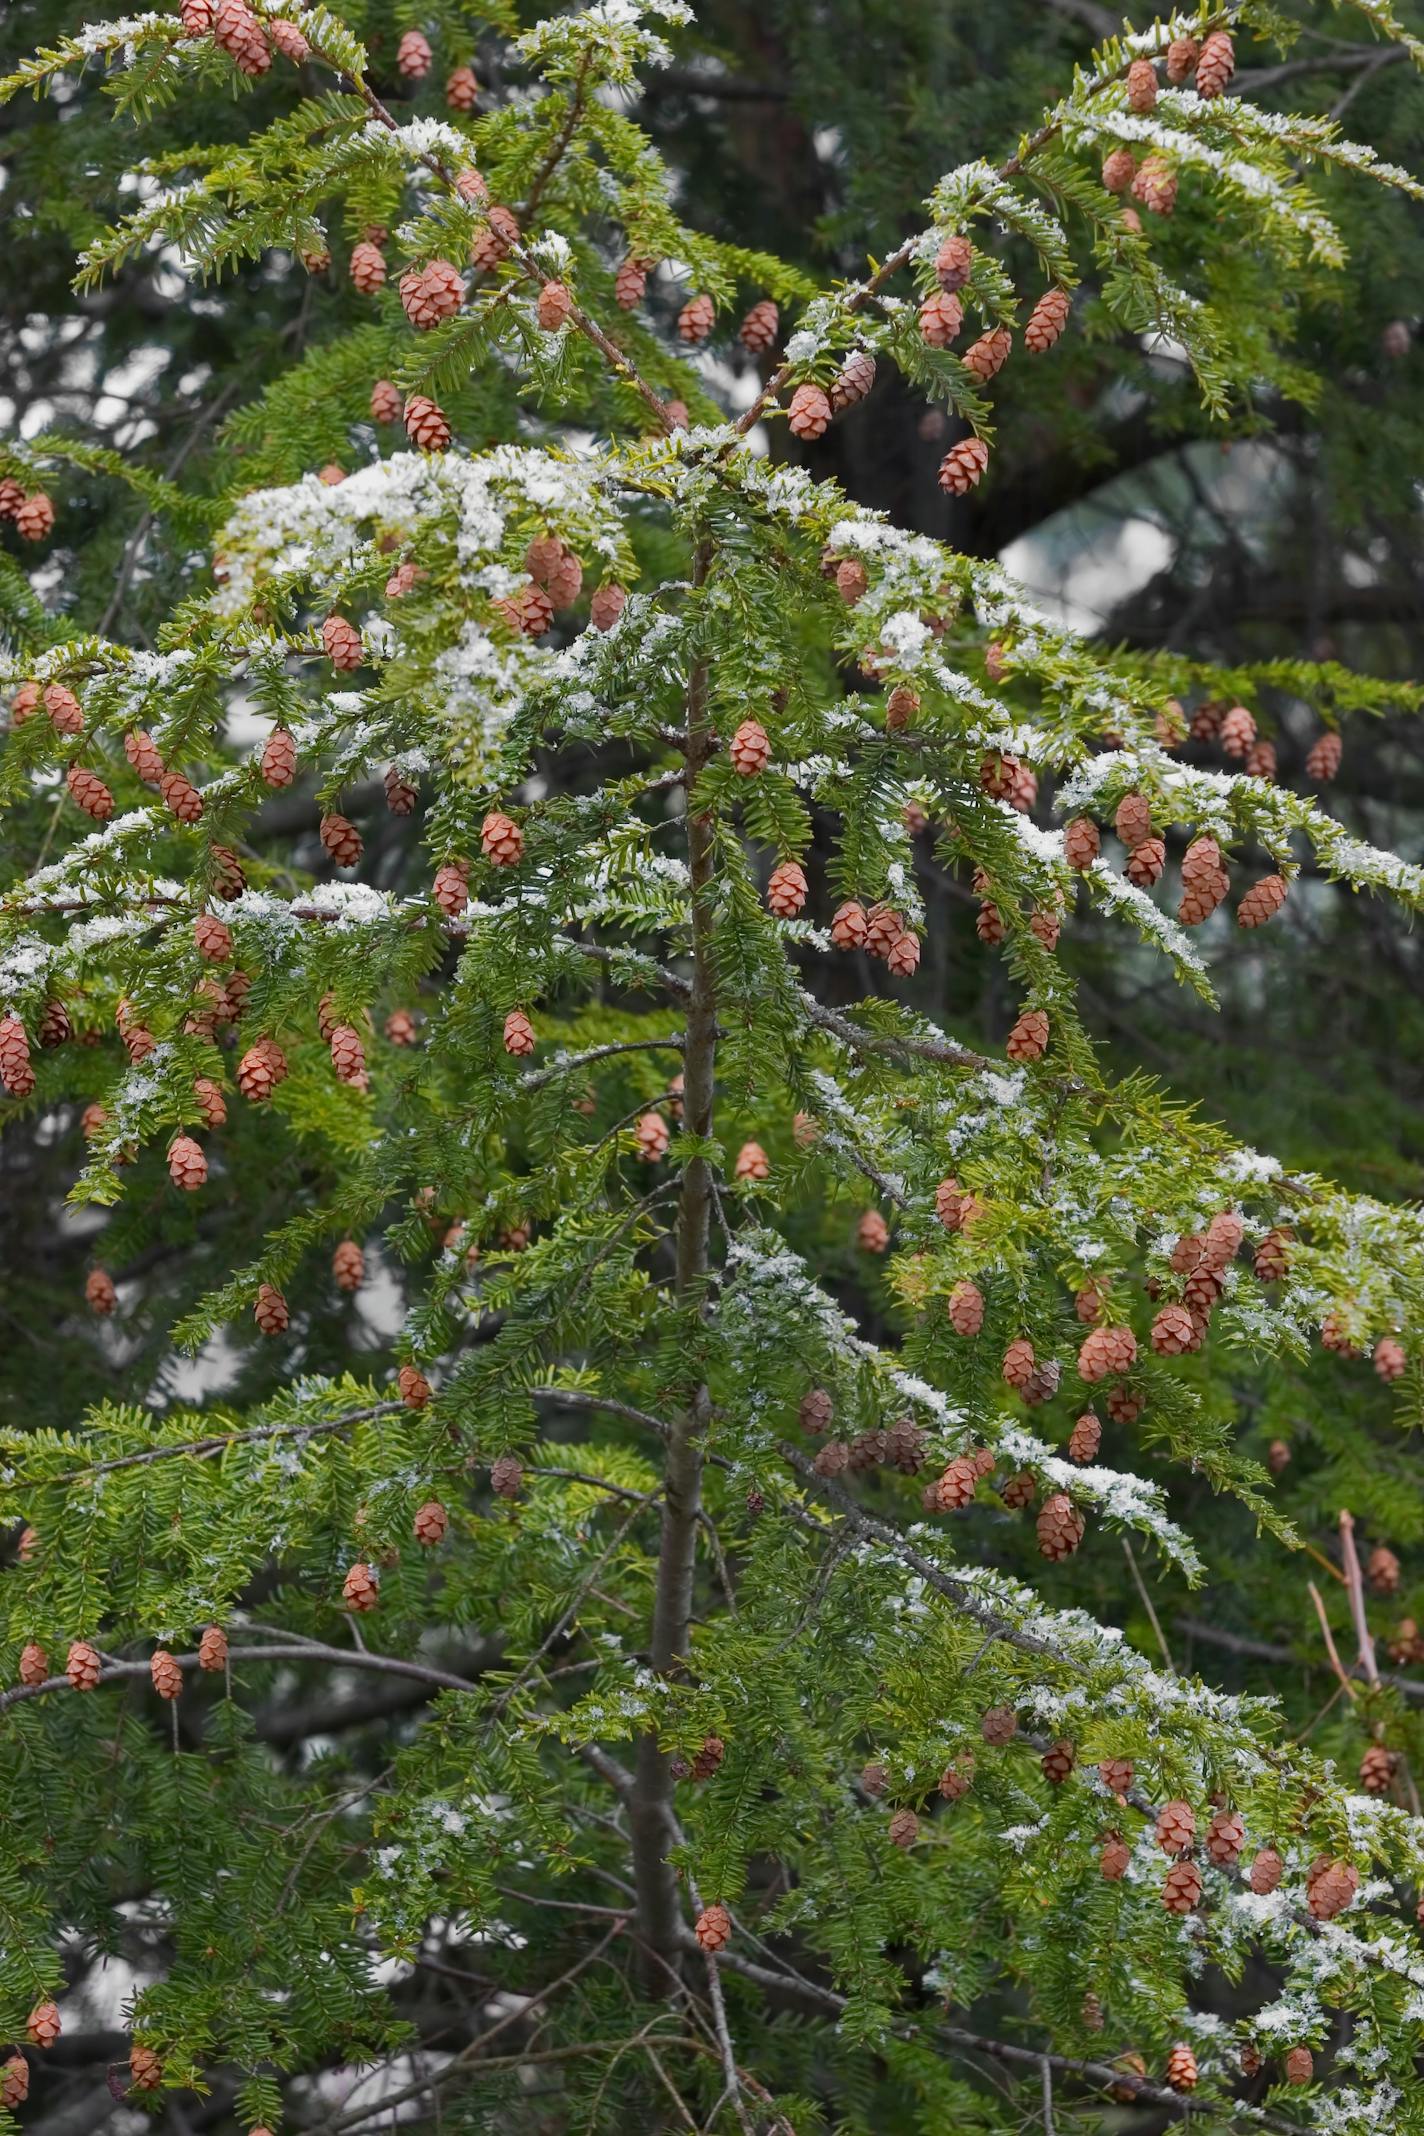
(852,383)
(1174,1332)
(210,1101)
(145,2069)
(82,1666)
(901,708)
(341,642)
(187,1166)
(1060,1527)
(1113,1860)
(518,1034)
(15,1069)
(1106,1351)
(461,89)
(348,1265)
(707,1760)
(752,1162)
(501,840)
(213,938)
(1266,1871)
(872,1234)
(999,1725)
(1182,54)
(904,1828)
(401,794)
(630,282)
(1176,1827)
(1272,1257)
(270,1310)
(1262,902)
(1082,843)
(1225,1836)
(852,580)
(652,1137)
(385,402)
(1028,1040)
(985,358)
(1058,1762)
(88,791)
(360,1589)
(341,839)
(367,268)
(759,329)
(1238,731)
(1382,1570)
(1116,1774)
(42,2025)
(34,519)
(34,1663)
(450,888)
(786,890)
(1046,321)
(212,1649)
(1019,1364)
(750,749)
(1146,862)
(713,1928)
(507,1476)
(431,1521)
(1299,2065)
(1182,1888)
(607,605)
(903,956)
(63,708)
(958,1777)
(848,925)
(1085,1439)
(1330,1887)
(953,262)
(1141,86)
(1088,1303)
(815,1410)
(166,1674)
(883,926)
(99,1292)
(413,1386)
(1390,1358)
(809,415)
(414,56)
(1133,820)
(348,1055)
(963,466)
(14,2080)
(694,321)
(966,1308)
(1323,761)
(1156,186)
(1182,2068)
(1019,1490)
(941,318)
(1216,64)
(1377,1770)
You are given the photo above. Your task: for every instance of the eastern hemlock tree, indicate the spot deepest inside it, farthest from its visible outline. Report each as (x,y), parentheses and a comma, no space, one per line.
(730,1563)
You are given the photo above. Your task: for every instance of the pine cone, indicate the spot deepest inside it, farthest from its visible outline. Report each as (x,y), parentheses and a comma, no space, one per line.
(341,642)
(849,925)
(872,1233)
(1133,820)
(1299,2065)
(187,1166)
(759,329)
(1377,1770)
(852,383)
(941,318)
(348,1055)
(1390,1358)
(1323,761)
(385,401)
(238,31)
(962,466)
(866,1452)
(1081,843)
(607,605)
(15,1069)
(852,578)
(904,1828)
(713,1928)
(1088,1302)
(816,1410)
(430,1523)
(750,749)
(809,415)
(630,282)
(1202,862)
(752,1162)
(196,17)
(706,1760)
(368,274)
(1182,55)
(786,890)
(34,1665)
(1119,170)
(1146,862)
(88,790)
(1216,64)
(1085,1439)
(461,89)
(210,1101)
(1261,761)
(905,1446)
(1200,899)
(694,321)
(953,263)
(1113,1860)
(1046,925)
(43,2025)
(1028,1040)
(1019,1490)
(1105,1352)
(1046,321)
(360,1590)
(1182,1888)
(180,795)
(82,1666)
(229,877)
(958,1777)
(999,1725)
(1382,1571)
(270,1310)
(14,2080)
(507,1476)
(426,425)
(1116,1774)
(1266,1871)
(957,1207)
(1019,1363)
(966,1308)
(431,293)
(348,1265)
(1060,1527)
(34,517)
(1335,1335)
(166,1674)
(652,1137)
(883,926)
(903,956)
(501,841)
(260,1070)
(1238,731)
(1058,1762)
(1155,186)
(450,889)
(958,1485)
(413,1387)
(985,358)
(1278,1456)
(1225,1836)
(64,710)
(1176,1827)
(413,56)
(1174,1332)
(1182,2068)
(99,1292)
(1262,901)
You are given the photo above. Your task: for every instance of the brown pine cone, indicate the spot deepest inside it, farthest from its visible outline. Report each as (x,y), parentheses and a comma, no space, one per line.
(1146,862)
(89,792)
(1272,1257)
(1176,1827)
(1113,1859)
(1266,1871)
(1155,186)
(229,876)
(341,642)
(1088,1302)
(1278,1456)
(849,925)
(348,1265)
(1216,64)
(694,321)
(1237,731)
(501,840)
(903,956)
(401,1028)
(1182,55)
(82,1666)
(883,927)
(341,839)
(1182,1888)
(713,1927)
(1261,761)
(1335,1335)
(1082,843)
(706,1760)
(816,1410)
(872,1233)
(450,888)
(348,1055)
(963,466)
(1377,1770)
(957,1486)
(1382,1571)
(1174,1331)
(1060,1527)
(904,1828)
(260,1070)
(187,1166)
(953,262)
(166,1674)
(653,1137)
(360,1590)
(1182,2068)
(751,1162)
(1299,2065)
(786,891)
(15,1069)
(1119,170)
(413,1387)
(1106,1351)
(607,605)
(367,268)
(55,1028)
(630,282)
(518,1034)
(1116,1774)
(1019,1363)
(1058,1762)
(1019,1490)
(1028,1040)
(958,1777)
(426,424)
(1390,1358)
(966,1308)
(984,359)
(1085,1439)
(866,1452)
(941,318)
(1324,759)
(1046,924)
(385,401)
(1046,321)
(1141,85)
(759,329)
(63,708)
(905,1446)
(99,1292)
(430,1523)
(809,415)
(1262,901)
(212,1648)
(14,2080)
(750,749)
(34,1663)
(414,56)
(1225,1836)
(34,517)
(852,578)
(270,1310)
(279,758)
(461,89)
(240,34)
(42,2025)
(1133,820)
(1330,1887)
(506,1475)
(852,383)
(999,1725)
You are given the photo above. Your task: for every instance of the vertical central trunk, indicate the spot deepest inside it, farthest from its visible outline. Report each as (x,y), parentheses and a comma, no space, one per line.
(659,1912)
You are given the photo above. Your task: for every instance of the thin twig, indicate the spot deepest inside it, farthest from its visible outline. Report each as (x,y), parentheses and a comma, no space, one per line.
(1140,1585)
(1355,1587)
(1329,1639)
